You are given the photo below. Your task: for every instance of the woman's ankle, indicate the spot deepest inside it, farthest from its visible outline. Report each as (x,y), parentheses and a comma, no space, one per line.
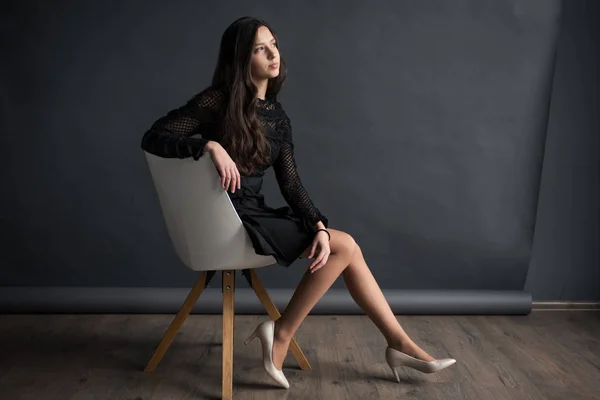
(282,334)
(401,345)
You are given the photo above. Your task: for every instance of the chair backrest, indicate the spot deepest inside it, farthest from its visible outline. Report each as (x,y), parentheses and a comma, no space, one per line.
(204,227)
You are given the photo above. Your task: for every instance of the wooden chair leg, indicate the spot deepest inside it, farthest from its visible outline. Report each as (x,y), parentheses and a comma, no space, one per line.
(228,317)
(271,309)
(184,311)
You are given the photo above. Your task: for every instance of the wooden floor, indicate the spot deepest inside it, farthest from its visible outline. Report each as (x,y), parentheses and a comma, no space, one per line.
(545,355)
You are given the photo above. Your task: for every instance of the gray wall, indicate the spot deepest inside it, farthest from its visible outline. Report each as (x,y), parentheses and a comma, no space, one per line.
(565,263)
(420,129)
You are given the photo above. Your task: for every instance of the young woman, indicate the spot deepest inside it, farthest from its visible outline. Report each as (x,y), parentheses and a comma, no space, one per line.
(246,131)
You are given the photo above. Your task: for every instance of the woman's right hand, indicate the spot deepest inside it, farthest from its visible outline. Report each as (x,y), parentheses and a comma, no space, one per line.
(230,176)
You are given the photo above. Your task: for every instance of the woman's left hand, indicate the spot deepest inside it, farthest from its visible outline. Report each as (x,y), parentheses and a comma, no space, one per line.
(320,242)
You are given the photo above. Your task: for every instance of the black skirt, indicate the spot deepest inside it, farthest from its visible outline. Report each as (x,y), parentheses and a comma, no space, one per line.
(277,232)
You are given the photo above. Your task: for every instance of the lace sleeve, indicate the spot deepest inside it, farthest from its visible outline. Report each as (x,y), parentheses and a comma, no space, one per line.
(290,185)
(170,135)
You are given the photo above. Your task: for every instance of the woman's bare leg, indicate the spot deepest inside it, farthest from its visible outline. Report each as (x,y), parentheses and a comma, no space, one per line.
(311,288)
(346,258)
(368,295)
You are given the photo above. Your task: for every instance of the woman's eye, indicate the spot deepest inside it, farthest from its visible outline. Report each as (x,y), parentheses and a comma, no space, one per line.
(262,47)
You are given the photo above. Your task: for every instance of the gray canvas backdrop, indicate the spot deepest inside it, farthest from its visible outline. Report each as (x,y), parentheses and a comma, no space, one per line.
(420,129)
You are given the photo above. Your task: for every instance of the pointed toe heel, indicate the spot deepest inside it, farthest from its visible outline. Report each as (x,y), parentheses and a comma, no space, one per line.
(396,358)
(266,332)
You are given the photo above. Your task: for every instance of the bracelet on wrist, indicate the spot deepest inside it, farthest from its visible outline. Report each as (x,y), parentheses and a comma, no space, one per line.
(324,230)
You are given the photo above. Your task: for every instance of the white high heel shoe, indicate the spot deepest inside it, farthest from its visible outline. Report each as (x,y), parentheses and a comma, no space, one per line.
(265,332)
(396,358)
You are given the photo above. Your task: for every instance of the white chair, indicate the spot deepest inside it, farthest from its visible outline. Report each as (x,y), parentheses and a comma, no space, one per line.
(208,235)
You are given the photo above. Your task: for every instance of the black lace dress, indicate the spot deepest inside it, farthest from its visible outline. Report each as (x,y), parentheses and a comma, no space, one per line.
(283,232)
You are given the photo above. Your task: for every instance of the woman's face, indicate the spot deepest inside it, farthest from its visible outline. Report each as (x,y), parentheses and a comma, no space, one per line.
(265,55)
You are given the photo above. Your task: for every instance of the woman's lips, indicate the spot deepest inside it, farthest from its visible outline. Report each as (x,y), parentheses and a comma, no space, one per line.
(274,65)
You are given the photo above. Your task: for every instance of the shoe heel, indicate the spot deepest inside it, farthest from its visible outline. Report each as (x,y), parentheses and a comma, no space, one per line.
(390,362)
(254,334)
(395,373)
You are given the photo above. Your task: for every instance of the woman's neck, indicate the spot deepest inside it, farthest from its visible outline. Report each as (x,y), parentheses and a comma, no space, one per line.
(262,88)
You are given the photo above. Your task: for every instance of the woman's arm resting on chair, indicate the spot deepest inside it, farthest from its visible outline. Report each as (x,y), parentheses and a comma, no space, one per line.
(170,135)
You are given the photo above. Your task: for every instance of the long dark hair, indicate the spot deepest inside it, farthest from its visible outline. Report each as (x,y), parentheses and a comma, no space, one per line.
(242,134)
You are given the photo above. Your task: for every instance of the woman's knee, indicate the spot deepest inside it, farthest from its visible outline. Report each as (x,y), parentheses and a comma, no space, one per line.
(344,244)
